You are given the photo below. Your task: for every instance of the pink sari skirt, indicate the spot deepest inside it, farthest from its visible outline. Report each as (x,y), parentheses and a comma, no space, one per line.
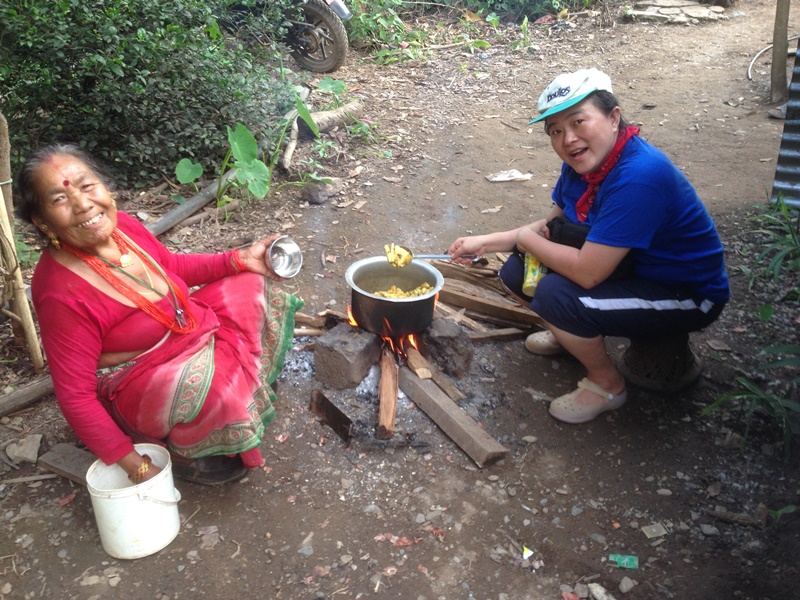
(209,392)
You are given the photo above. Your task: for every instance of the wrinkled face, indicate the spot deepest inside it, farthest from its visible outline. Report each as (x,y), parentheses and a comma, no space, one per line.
(73,202)
(583,136)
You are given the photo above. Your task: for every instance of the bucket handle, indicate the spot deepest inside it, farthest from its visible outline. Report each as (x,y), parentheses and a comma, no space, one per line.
(159,500)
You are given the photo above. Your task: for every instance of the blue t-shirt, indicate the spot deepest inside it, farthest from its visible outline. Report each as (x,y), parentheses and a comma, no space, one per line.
(646,204)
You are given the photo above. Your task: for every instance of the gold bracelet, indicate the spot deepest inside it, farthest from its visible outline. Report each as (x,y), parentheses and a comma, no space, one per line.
(140,472)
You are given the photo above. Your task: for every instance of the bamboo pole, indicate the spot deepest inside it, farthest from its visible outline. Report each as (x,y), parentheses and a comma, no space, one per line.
(23,309)
(5,164)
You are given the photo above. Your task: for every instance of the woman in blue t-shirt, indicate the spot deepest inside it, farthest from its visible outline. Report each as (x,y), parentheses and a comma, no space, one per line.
(641,209)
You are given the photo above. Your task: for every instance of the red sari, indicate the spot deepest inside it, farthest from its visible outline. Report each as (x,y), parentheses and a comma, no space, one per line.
(208,392)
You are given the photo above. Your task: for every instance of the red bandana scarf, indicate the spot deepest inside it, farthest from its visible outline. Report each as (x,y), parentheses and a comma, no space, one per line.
(595,178)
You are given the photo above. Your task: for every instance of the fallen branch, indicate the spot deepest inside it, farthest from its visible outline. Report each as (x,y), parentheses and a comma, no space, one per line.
(25,395)
(29,478)
(219,213)
(288,152)
(325,120)
(759,519)
(183,211)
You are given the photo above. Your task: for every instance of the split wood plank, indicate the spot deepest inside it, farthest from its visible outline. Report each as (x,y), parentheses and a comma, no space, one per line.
(333,317)
(456,285)
(316,321)
(387,395)
(483,277)
(417,363)
(459,316)
(332,416)
(447,386)
(499,335)
(463,430)
(302,331)
(516,314)
(501,323)
(439,378)
(69,461)
(22,397)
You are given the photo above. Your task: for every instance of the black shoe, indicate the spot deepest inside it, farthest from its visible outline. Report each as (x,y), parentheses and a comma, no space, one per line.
(209,470)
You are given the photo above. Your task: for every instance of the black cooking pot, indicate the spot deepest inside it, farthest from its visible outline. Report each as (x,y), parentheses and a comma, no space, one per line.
(392,317)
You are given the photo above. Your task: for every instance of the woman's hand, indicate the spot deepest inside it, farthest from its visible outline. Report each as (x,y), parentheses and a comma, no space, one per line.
(524,234)
(254,258)
(500,241)
(474,245)
(133,464)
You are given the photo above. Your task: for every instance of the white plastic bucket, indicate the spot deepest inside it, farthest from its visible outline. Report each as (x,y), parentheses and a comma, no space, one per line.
(134,520)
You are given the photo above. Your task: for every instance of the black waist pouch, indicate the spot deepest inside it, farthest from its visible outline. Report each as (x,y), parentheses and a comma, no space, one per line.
(563,231)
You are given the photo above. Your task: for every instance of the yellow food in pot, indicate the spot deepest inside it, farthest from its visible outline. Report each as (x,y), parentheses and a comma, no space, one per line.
(396,292)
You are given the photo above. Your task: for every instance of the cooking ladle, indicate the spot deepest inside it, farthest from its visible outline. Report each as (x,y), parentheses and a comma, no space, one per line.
(405,256)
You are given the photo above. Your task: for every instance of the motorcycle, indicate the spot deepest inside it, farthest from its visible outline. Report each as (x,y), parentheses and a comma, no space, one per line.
(319,40)
(315,30)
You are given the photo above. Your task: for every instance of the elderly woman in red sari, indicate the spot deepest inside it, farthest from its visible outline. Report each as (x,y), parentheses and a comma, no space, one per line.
(135,355)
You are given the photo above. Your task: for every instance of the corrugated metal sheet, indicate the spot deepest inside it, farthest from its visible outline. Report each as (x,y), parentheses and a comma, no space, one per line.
(787,171)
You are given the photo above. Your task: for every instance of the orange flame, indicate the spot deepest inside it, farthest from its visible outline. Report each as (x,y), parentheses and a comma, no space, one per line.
(350,316)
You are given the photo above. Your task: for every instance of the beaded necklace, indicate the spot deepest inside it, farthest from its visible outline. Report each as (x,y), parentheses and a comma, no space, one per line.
(125,259)
(184,321)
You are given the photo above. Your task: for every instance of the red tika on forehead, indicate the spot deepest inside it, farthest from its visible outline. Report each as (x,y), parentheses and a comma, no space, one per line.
(66,183)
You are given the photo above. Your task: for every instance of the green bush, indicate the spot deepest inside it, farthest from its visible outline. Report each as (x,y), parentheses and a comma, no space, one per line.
(140,84)
(516,10)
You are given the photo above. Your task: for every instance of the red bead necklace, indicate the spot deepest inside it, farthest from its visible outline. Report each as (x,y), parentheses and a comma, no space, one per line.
(183,322)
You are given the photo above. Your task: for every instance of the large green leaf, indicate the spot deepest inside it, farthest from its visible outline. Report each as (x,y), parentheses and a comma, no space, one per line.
(187,171)
(243,144)
(302,111)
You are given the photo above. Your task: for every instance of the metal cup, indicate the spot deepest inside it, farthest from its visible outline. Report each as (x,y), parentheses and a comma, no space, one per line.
(284,257)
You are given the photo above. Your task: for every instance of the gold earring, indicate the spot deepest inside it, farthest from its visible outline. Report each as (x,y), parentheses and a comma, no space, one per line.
(51,236)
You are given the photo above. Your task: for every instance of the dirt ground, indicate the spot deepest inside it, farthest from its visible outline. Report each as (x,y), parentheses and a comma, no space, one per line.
(323,521)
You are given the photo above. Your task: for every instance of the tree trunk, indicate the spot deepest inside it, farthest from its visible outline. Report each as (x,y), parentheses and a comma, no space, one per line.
(779,90)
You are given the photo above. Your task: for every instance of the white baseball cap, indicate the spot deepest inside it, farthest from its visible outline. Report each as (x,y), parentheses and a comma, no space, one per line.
(568,89)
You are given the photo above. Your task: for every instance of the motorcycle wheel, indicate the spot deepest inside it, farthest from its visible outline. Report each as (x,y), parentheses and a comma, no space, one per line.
(318,39)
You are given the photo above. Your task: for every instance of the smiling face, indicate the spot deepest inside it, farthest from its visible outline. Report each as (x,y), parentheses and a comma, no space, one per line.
(73,202)
(583,135)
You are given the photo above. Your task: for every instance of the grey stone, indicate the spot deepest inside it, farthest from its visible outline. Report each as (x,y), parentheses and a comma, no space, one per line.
(26,449)
(626,585)
(343,356)
(317,192)
(449,346)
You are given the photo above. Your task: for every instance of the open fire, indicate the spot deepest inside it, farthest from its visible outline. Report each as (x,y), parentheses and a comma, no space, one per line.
(395,352)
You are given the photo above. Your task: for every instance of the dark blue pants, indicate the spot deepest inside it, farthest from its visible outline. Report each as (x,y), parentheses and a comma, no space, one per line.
(629,308)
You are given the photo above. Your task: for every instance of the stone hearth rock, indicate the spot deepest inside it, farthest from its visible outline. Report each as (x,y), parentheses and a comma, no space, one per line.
(448,346)
(344,355)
